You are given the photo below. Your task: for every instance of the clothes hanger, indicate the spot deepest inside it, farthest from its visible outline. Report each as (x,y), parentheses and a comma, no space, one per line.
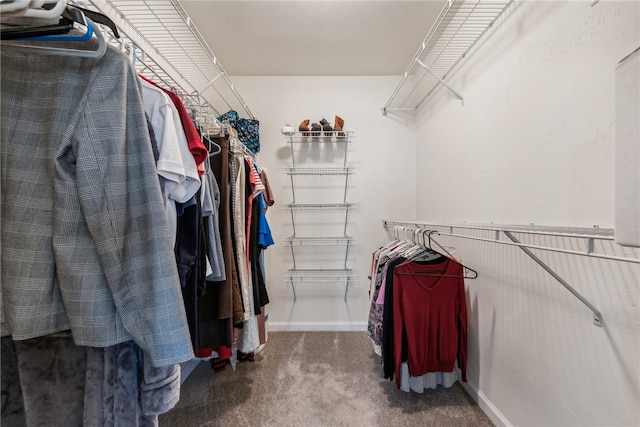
(402,245)
(75,16)
(416,248)
(420,251)
(211,144)
(69,16)
(97,53)
(469,273)
(100,18)
(14,6)
(392,243)
(46,13)
(63,26)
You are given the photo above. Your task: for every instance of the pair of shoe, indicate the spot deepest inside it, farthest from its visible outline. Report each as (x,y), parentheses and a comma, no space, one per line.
(315,130)
(323,126)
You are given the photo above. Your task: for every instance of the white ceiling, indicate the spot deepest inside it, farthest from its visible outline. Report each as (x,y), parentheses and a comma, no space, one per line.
(313,38)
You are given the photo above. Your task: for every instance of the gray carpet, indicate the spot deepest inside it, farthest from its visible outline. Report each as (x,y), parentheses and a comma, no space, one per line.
(315,379)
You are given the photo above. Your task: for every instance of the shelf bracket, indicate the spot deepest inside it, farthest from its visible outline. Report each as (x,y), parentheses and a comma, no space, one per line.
(211,82)
(453,91)
(597,317)
(346,289)
(293,287)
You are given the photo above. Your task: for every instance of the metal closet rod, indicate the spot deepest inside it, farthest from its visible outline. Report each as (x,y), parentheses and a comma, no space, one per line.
(581,233)
(588,234)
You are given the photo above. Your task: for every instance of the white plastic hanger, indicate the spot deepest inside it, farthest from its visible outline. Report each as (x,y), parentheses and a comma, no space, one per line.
(14,6)
(38,12)
(211,144)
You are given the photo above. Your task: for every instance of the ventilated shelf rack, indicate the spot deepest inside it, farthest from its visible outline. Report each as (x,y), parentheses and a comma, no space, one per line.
(310,138)
(304,276)
(319,243)
(164,45)
(319,136)
(319,171)
(458,28)
(304,206)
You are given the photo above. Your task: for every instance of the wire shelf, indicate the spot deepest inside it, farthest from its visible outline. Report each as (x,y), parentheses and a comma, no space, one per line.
(319,275)
(313,206)
(318,171)
(456,31)
(320,241)
(165,45)
(334,136)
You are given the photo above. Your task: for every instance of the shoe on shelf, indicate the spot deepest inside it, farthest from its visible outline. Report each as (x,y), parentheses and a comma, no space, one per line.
(304,128)
(316,131)
(339,126)
(326,128)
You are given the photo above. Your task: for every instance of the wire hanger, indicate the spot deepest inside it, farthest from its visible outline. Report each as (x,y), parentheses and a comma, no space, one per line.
(469,273)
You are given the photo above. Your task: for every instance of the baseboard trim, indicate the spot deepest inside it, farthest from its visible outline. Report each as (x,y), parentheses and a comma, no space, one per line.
(317,327)
(485,404)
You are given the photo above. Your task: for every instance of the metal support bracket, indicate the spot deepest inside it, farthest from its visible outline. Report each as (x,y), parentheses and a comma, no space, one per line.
(293,287)
(453,91)
(597,317)
(211,82)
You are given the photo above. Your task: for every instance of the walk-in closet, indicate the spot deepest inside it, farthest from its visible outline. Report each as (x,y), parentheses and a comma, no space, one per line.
(320,213)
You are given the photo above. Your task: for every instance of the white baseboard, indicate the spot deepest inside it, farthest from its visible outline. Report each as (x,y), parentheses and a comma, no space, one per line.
(485,404)
(316,327)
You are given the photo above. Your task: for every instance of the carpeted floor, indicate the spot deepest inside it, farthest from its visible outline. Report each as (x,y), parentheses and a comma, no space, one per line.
(315,379)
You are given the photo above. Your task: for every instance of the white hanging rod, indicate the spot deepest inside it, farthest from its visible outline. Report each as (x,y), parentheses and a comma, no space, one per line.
(590,235)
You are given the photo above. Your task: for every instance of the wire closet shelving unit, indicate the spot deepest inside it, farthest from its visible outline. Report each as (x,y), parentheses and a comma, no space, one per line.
(323,236)
(458,28)
(588,242)
(164,45)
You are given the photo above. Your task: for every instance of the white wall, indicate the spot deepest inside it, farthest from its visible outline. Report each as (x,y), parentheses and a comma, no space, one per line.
(383,154)
(534,143)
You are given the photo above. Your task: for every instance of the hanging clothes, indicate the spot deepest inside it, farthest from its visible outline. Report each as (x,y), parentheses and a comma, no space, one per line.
(192,137)
(417,316)
(176,164)
(80,193)
(67,384)
(216,306)
(215,271)
(430,317)
(95,309)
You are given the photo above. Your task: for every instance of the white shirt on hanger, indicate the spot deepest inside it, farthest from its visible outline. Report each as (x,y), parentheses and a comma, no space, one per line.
(175,163)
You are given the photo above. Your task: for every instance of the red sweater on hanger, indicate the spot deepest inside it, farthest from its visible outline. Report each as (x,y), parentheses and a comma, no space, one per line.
(430,311)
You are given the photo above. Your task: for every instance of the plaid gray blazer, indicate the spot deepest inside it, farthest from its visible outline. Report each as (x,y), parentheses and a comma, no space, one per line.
(85,242)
